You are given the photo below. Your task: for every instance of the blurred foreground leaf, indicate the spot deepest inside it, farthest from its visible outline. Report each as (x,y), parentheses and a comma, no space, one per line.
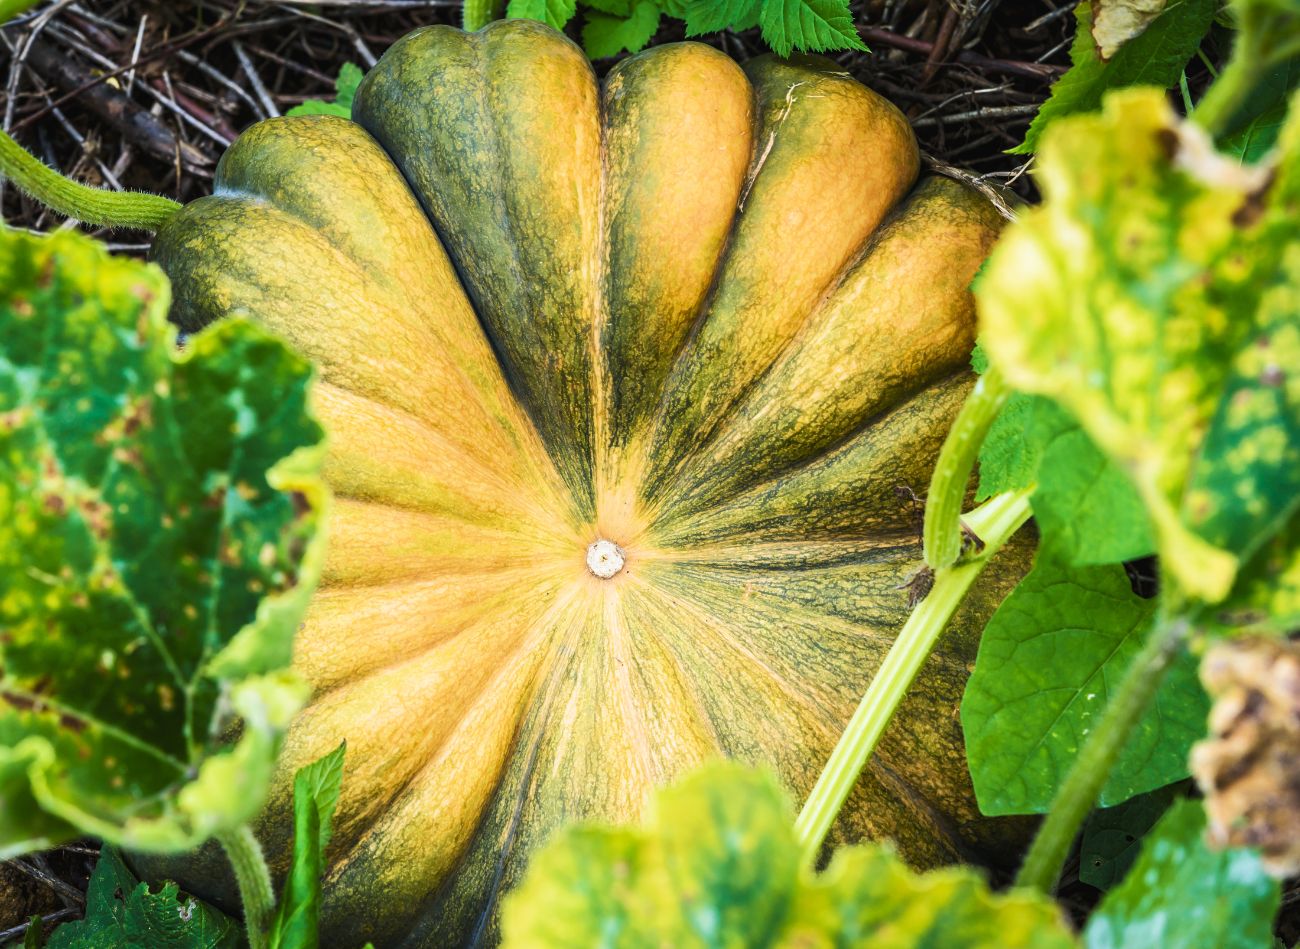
(1182,893)
(159,517)
(718,864)
(1153,295)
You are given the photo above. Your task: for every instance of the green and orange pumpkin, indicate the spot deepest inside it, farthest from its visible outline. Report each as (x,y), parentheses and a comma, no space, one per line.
(621,380)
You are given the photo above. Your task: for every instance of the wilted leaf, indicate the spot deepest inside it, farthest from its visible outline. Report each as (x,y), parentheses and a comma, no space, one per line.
(121,913)
(1115,22)
(1153,295)
(158,544)
(1181,893)
(718,865)
(1047,663)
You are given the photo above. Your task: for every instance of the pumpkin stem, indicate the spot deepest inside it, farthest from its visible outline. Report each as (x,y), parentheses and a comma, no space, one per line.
(944,533)
(146,212)
(1087,776)
(995,522)
(254,879)
(476,14)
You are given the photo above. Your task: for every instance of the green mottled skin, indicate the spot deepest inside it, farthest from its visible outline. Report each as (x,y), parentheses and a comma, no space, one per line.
(694,312)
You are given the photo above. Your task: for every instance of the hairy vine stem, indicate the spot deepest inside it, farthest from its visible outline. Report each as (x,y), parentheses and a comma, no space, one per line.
(146,212)
(995,522)
(1087,776)
(943,526)
(254,879)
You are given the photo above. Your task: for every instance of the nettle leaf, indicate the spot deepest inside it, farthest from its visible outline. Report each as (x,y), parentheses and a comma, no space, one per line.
(604,35)
(1153,295)
(159,517)
(1112,836)
(553,12)
(315,795)
(808,26)
(710,16)
(1181,893)
(1046,664)
(345,87)
(1156,57)
(717,864)
(122,913)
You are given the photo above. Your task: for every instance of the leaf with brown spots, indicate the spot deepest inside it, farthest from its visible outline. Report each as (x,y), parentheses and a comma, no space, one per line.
(129,649)
(1154,296)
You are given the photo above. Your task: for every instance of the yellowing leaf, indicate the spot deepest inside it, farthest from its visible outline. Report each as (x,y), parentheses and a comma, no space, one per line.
(718,865)
(1153,295)
(158,544)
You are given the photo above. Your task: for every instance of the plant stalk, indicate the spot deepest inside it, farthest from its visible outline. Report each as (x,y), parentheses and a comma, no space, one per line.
(254,879)
(1078,794)
(145,212)
(943,502)
(476,14)
(995,522)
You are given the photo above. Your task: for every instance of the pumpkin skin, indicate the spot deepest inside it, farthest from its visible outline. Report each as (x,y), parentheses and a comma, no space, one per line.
(702,312)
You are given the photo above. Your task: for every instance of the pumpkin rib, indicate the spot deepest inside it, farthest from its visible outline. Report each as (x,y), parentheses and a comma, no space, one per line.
(790,243)
(831,380)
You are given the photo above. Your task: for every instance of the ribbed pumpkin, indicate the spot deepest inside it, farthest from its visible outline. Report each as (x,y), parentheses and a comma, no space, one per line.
(621,381)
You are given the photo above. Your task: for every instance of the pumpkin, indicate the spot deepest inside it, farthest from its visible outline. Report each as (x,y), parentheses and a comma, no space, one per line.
(621,381)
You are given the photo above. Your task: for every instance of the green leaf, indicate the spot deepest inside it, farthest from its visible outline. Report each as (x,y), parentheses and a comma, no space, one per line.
(12,8)
(1156,58)
(1255,129)
(121,913)
(158,546)
(605,35)
(1181,893)
(1087,508)
(808,26)
(1112,836)
(710,16)
(345,87)
(315,795)
(1047,662)
(553,12)
(717,864)
(1153,295)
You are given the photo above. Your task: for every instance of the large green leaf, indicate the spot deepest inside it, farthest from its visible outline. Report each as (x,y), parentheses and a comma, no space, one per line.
(718,865)
(1181,893)
(122,913)
(1153,295)
(1047,662)
(158,545)
(1156,57)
